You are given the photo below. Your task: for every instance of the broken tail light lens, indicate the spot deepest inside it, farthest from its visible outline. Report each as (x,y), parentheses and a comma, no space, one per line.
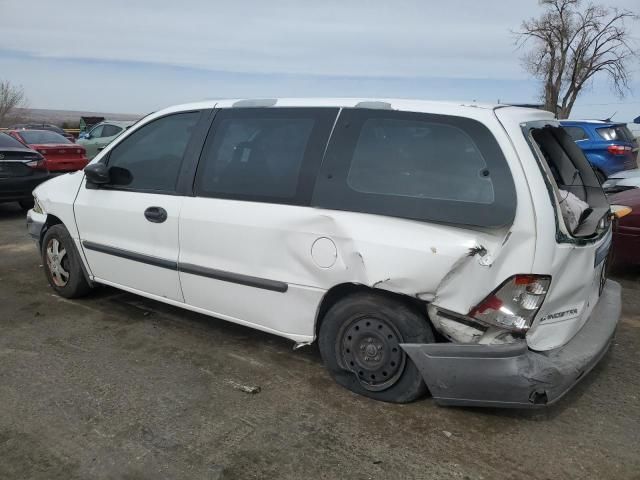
(514,304)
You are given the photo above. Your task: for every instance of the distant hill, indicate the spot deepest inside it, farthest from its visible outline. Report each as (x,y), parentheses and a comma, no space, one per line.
(58,117)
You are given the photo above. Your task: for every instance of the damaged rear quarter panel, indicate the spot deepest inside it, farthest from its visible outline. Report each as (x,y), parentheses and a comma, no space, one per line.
(509,251)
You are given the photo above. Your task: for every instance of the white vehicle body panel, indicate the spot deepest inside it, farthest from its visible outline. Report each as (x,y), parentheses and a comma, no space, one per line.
(271,242)
(114,218)
(452,267)
(575,280)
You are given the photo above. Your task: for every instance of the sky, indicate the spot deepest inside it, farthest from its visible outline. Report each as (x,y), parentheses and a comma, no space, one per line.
(137,56)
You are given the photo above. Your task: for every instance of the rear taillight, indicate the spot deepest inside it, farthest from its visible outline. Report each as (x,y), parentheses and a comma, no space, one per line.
(37,164)
(514,304)
(618,149)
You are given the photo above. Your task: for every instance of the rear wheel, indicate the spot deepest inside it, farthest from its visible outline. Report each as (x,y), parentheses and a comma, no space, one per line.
(62,263)
(360,339)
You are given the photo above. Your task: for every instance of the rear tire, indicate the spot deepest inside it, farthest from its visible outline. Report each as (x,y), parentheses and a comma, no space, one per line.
(26,204)
(359,342)
(62,264)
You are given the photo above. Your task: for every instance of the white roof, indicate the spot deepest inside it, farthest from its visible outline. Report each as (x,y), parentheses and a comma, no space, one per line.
(464,109)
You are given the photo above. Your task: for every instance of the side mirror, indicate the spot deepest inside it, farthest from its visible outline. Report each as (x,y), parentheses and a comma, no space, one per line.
(97,173)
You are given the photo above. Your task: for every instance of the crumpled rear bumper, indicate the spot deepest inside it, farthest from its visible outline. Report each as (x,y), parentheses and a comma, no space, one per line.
(511,375)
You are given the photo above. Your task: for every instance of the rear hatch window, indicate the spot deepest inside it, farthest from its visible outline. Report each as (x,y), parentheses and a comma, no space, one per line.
(581,206)
(619,133)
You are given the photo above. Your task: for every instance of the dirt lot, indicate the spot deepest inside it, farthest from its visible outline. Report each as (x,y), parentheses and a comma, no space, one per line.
(116,386)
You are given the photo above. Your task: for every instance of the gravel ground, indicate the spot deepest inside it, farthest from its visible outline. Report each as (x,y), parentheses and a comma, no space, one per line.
(117,386)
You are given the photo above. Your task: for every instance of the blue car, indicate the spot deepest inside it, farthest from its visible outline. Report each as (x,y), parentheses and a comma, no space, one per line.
(610,147)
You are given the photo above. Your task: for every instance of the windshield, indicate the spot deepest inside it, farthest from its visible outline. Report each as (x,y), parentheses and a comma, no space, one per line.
(39,137)
(9,142)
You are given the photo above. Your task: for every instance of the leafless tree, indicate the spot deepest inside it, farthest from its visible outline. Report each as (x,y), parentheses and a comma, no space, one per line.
(571,43)
(11,97)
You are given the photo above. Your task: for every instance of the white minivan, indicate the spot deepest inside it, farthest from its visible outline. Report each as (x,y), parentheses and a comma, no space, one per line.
(442,247)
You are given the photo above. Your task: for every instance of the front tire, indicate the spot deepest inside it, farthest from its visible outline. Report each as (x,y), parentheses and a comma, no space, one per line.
(62,264)
(359,342)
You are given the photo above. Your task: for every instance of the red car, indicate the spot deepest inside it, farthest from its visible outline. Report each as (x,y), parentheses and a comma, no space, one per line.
(626,235)
(60,154)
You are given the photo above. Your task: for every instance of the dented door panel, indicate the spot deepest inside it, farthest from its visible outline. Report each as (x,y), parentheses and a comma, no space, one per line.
(276,242)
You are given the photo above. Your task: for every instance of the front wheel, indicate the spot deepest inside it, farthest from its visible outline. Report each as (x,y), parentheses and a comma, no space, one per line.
(360,339)
(62,263)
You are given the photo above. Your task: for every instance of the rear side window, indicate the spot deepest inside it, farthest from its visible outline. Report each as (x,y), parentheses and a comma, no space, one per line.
(419,159)
(153,153)
(264,154)
(576,133)
(418,166)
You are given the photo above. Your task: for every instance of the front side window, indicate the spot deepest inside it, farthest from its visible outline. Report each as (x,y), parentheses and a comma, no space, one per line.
(264,154)
(152,155)
(110,130)
(96,132)
(416,165)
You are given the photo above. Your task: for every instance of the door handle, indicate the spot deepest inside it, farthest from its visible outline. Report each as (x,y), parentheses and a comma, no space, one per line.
(155,214)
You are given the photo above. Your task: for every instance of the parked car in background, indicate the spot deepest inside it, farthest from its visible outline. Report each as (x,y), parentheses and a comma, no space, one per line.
(621,181)
(21,170)
(626,232)
(610,147)
(60,154)
(420,243)
(43,126)
(101,135)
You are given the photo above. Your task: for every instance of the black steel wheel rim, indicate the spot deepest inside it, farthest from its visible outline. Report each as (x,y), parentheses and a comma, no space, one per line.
(370,348)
